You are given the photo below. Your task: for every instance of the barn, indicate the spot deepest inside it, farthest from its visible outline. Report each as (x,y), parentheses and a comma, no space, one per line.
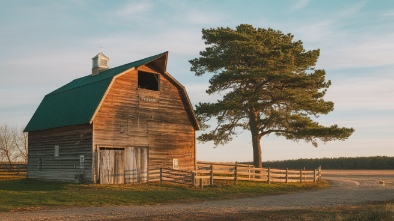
(114,125)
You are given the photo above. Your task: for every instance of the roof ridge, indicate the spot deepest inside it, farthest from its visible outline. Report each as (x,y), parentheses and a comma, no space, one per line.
(104,75)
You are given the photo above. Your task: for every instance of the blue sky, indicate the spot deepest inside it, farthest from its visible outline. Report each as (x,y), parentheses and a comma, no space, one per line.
(46,44)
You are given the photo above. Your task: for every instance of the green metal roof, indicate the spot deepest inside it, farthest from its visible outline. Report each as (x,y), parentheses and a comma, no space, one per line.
(76,102)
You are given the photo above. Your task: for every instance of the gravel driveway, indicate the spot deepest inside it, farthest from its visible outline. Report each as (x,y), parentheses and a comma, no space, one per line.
(347,188)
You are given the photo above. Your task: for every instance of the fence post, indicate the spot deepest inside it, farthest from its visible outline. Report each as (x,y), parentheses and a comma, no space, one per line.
(319,173)
(201,186)
(269,175)
(211,178)
(161,175)
(235,172)
(287,175)
(314,176)
(301,176)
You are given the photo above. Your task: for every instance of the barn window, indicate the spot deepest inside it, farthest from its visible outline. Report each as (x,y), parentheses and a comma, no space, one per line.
(56,151)
(175,164)
(148,81)
(81,161)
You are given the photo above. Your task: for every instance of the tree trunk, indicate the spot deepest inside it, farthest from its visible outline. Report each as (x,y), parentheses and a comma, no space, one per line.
(256,150)
(255,139)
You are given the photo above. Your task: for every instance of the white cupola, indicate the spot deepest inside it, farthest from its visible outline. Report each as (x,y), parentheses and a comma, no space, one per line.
(100,63)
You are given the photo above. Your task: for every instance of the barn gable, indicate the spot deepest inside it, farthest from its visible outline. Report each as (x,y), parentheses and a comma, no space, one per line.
(77,102)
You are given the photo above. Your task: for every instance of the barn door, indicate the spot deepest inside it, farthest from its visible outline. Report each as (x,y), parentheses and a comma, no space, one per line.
(112,162)
(136,169)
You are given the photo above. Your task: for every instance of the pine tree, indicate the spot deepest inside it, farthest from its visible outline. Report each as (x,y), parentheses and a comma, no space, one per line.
(270,85)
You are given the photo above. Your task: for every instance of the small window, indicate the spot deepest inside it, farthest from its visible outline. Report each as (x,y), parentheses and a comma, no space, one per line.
(148,81)
(56,151)
(175,164)
(95,63)
(81,161)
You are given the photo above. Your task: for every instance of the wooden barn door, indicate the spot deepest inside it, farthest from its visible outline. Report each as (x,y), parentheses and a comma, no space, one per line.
(112,166)
(136,168)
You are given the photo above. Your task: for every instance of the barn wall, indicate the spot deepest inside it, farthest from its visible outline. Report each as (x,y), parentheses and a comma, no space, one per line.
(134,117)
(73,141)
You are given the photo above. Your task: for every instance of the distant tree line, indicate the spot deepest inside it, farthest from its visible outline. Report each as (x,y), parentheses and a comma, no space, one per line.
(377,162)
(13,144)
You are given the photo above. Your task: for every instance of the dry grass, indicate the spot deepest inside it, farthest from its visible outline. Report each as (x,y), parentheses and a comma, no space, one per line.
(22,194)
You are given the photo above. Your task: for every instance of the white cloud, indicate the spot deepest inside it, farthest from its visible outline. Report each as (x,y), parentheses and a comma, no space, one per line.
(367,93)
(348,38)
(203,18)
(129,47)
(197,93)
(362,51)
(387,14)
(134,10)
(352,10)
(300,4)
(13,99)
(319,31)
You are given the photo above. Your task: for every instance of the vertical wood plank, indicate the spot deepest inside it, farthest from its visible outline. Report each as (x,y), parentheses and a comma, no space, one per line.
(193,179)
(320,175)
(287,175)
(161,175)
(314,175)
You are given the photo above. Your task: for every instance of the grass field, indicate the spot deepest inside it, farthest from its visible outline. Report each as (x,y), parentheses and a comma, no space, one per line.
(25,194)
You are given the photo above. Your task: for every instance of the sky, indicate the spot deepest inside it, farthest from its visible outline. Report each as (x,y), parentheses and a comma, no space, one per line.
(45,44)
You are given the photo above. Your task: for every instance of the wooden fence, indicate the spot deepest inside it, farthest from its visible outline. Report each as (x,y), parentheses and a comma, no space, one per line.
(172,176)
(13,170)
(207,172)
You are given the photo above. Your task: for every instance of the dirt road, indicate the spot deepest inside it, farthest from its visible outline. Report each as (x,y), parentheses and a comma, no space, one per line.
(347,188)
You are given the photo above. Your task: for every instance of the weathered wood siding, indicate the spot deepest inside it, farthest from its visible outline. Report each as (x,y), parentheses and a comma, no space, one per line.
(73,141)
(134,117)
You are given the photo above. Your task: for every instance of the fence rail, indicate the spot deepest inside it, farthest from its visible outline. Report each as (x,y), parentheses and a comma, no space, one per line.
(207,172)
(13,170)
(171,175)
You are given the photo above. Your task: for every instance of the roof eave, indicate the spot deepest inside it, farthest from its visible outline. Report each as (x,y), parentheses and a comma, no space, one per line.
(190,106)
